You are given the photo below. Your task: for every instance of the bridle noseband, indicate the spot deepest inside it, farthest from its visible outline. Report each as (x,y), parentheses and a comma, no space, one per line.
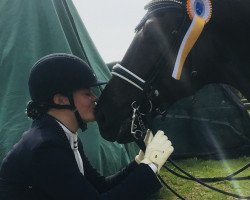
(128,76)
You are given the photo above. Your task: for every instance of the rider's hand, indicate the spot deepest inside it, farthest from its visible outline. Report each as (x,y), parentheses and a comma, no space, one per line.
(158,150)
(148,138)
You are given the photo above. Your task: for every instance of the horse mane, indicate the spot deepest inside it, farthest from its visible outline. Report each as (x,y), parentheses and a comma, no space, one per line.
(155,7)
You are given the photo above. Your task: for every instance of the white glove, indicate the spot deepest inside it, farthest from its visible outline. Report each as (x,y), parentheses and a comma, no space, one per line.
(158,150)
(148,138)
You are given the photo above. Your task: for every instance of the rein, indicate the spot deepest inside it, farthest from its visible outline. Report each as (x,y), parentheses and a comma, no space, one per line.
(138,131)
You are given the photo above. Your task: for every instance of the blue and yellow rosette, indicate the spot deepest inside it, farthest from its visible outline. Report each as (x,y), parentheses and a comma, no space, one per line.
(200,12)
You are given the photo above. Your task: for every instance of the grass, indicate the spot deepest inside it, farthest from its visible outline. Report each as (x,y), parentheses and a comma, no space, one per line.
(206,168)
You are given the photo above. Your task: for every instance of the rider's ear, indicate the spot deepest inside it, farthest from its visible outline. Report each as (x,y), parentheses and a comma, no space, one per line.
(60,99)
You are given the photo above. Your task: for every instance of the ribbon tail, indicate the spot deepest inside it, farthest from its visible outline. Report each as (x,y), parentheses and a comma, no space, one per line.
(187,44)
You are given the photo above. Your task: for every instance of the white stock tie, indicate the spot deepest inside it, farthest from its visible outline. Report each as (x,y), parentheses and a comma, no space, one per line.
(72,137)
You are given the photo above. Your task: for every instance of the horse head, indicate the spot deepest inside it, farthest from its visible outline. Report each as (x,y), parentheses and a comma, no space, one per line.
(220,55)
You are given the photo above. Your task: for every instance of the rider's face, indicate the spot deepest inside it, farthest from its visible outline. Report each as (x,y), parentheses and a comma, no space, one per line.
(84,101)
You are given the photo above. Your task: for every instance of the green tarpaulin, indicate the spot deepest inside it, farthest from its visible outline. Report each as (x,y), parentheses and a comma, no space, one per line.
(30,29)
(213,123)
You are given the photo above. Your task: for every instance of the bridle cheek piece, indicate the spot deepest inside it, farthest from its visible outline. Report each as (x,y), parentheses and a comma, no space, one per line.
(138,128)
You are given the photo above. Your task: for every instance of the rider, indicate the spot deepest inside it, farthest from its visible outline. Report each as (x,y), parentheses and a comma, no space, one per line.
(49,162)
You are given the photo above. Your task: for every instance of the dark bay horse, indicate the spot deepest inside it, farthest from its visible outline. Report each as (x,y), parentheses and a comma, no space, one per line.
(220,55)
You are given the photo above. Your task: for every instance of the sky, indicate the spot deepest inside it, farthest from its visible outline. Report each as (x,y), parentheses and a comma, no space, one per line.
(111,24)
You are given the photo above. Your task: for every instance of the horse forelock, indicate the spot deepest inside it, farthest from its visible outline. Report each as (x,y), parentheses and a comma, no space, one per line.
(157,6)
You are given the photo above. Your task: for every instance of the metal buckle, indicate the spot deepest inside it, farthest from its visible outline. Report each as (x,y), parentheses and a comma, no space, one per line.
(137,130)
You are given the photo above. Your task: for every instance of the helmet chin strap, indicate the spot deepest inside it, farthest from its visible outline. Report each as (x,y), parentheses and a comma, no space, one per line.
(82,125)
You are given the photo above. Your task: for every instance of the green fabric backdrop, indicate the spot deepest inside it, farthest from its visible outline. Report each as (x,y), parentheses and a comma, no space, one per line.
(30,29)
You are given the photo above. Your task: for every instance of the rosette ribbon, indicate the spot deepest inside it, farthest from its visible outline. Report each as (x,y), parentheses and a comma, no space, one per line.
(200,12)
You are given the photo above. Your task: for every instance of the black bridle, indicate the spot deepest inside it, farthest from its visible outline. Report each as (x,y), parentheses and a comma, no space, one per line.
(150,96)
(138,131)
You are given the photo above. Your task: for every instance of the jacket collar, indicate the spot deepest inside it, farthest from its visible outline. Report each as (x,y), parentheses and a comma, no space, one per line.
(50,124)
(72,137)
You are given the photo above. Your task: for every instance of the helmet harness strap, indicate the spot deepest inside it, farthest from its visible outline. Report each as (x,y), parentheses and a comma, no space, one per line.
(82,125)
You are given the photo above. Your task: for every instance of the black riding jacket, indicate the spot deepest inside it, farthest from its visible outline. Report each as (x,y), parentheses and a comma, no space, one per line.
(42,165)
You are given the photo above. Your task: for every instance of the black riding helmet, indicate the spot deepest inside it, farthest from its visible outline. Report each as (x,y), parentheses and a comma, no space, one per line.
(58,73)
